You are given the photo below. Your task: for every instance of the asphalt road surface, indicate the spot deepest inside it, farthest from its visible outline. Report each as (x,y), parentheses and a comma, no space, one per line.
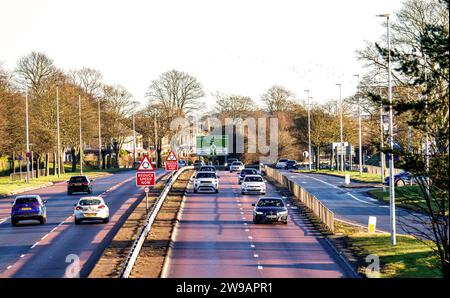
(352,204)
(217,238)
(60,248)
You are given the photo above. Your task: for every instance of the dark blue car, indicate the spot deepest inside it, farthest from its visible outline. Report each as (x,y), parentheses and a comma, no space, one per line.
(401,179)
(28,207)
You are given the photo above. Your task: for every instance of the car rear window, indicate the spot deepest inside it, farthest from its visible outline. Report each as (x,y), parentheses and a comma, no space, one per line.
(290,161)
(78,179)
(247,172)
(253,179)
(206,175)
(283,160)
(270,203)
(237,163)
(208,169)
(26,200)
(90,202)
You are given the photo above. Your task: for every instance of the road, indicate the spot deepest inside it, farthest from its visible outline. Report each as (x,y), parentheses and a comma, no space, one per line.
(217,238)
(351,204)
(60,246)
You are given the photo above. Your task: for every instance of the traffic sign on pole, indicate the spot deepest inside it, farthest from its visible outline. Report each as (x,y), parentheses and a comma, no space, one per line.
(171,162)
(145,178)
(145,165)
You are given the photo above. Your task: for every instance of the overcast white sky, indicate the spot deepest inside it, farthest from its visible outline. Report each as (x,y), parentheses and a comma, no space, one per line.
(231,46)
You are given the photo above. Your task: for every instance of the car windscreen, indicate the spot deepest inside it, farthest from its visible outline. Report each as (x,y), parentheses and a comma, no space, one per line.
(270,203)
(283,160)
(253,179)
(205,175)
(78,179)
(237,163)
(291,162)
(90,202)
(26,200)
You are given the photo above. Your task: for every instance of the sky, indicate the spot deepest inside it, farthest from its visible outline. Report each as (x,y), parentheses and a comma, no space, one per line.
(231,46)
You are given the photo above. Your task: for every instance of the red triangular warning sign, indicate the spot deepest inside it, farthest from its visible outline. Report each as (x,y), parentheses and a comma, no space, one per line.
(171,156)
(145,165)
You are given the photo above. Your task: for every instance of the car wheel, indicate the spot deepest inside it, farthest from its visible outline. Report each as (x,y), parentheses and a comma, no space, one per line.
(43,220)
(69,193)
(400,183)
(106,220)
(77,221)
(263,193)
(89,191)
(285,222)
(217,191)
(195,191)
(14,222)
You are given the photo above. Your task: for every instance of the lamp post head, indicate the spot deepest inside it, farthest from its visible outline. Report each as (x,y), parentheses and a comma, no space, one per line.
(385,15)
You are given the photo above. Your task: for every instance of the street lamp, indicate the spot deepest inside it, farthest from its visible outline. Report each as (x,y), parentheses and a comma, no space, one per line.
(342,133)
(27,135)
(99,136)
(81,140)
(134,141)
(309,130)
(359,127)
(58,83)
(391,139)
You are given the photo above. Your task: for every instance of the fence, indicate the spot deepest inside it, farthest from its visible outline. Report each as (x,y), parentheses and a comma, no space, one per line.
(319,209)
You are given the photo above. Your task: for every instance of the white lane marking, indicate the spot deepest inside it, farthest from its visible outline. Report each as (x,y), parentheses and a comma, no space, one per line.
(240,208)
(255,255)
(252,245)
(383,206)
(34,245)
(54,229)
(44,237)
(250,237)
(21,256)
(247,230)
(242,213)
(374,200)
(243,218)
(4,219)
(245,224)
(260,267)
(358,199)
(9,267)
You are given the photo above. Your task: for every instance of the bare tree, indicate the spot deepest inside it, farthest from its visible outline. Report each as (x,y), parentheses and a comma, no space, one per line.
(278,99)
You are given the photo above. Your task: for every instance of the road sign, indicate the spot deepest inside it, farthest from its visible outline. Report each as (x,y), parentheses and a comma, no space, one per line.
(28,154)
(171,162)
(19,157)
(146,189)
(145,178)
(145,165)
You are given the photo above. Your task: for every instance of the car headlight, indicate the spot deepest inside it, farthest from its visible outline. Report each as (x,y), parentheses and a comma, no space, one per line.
(259,213)
(283,213)
(244,185)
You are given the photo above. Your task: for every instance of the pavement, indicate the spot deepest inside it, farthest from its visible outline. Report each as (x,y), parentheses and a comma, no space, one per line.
(352,204)
(216,237)
(60,248)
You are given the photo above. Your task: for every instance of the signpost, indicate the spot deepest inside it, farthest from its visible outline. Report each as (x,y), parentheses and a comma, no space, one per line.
(145,176)
(171,162)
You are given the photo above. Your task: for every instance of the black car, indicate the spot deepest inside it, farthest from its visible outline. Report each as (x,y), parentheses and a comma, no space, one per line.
(291,164)
(402,179)
(246,171)
(79,184)
(270,210)
(198,164)
(207,169)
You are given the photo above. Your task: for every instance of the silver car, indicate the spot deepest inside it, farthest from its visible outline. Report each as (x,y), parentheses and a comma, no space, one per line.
(91,208)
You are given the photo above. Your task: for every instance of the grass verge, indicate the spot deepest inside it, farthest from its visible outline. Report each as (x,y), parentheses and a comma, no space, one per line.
(410,258)
(7,187)
(354,175)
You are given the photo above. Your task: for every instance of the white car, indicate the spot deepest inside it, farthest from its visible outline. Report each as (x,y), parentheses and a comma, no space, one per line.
(253,184)
(206,181)
(281,164)
(236,166)
(91,208)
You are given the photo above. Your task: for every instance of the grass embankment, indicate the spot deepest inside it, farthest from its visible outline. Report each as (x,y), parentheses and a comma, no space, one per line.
(410,258)
(7,186)
(354,175)
(410,197)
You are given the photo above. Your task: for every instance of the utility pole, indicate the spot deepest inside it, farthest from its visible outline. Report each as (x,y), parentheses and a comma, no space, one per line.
(57,129)
(156,141)
(391,141)
(382,158)
(359,128)
(342,131)
(27,136)
(99,137)
(81,140)
(309,130)
(134,141)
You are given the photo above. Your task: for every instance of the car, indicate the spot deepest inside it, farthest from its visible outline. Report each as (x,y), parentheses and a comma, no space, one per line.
(281,164)
(291,164)
(181,163)
(207,169)
(246,171)
(206,181)
(198,164)
(28,207)
(91,208)
(79,184)
(236,166)
(230,161)
(253,184)
(270,209)
(402,179)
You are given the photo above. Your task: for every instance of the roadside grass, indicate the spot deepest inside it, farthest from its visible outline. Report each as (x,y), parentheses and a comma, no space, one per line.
(410,197)
(7,186)
(410,258)
(354,175)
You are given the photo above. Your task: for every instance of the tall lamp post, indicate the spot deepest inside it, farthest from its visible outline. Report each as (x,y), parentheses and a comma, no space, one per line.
(341,128)
(99,136)
(134,140)
(359,127)
(391,139)
(81,140)
(309,130)
(27,135)
(57,129)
